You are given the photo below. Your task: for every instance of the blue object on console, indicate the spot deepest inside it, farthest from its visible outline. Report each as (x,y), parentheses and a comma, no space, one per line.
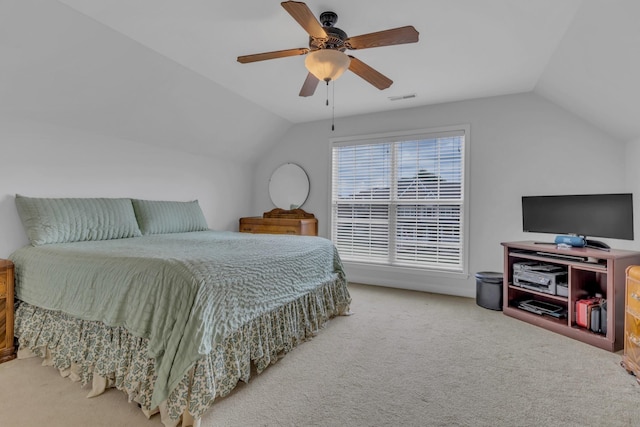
(575,241)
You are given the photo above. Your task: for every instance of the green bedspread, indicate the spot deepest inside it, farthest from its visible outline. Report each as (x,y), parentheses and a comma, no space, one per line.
(184,292)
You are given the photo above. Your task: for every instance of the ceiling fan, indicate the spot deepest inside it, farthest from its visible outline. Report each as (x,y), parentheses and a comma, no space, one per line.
(326,59)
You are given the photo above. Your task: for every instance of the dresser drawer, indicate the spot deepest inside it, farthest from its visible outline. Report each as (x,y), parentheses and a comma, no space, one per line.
(632,324)
(632,348)
(269,229)
(301,226)
(3,325)
(633,296)
(3,285)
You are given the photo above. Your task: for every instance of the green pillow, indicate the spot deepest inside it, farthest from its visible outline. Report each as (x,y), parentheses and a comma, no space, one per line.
(63,220)
(159,217)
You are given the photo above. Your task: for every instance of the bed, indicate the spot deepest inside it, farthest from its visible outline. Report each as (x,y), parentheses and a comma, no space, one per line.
(141,296)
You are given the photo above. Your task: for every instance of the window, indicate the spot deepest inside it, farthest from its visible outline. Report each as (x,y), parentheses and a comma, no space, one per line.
(399,200)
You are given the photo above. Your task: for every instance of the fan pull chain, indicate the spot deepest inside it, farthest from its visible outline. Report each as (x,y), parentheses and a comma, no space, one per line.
(328,92)
(333,107)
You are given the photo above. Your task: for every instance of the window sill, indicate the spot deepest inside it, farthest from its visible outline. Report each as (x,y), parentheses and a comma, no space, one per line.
(442,282)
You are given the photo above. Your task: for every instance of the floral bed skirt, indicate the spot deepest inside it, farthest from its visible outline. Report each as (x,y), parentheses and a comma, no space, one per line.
(105,356)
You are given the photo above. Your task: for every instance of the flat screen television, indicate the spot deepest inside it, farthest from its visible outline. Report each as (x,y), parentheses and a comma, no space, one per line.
(585,215)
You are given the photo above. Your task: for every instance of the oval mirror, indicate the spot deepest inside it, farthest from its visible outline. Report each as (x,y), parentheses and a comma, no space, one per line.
(289,186)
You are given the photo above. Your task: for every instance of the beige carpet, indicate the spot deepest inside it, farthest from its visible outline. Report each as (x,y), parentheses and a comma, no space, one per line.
(404,358)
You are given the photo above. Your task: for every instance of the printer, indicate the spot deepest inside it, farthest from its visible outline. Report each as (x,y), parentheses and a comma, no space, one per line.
(542,277)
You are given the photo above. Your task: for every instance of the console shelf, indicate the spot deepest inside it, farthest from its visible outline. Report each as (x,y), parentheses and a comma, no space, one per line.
(589,271)
(540,294)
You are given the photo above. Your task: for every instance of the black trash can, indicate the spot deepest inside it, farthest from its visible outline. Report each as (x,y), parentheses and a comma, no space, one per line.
(489,290)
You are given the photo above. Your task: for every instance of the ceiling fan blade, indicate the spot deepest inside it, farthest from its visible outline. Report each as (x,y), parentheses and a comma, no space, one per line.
(301,13)
(369,74)
(309,86)
(272,55)
(400,35)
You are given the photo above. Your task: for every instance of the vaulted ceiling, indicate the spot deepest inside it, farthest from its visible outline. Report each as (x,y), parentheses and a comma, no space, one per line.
(165,72)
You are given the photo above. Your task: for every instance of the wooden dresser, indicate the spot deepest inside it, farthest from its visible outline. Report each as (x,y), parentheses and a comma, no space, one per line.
(7,350)
(631,356)
(280,221)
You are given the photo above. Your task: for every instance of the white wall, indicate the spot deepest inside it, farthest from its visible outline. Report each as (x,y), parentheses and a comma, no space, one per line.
(632,169)
(520,145)
(41,160)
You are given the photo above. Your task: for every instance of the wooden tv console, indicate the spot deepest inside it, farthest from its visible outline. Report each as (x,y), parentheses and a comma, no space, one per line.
(591,271)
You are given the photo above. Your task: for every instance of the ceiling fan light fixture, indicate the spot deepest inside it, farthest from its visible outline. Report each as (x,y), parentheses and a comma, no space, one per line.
(327,64)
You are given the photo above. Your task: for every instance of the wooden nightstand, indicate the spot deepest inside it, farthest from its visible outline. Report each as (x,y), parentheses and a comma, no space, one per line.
(7,350)
(279,221)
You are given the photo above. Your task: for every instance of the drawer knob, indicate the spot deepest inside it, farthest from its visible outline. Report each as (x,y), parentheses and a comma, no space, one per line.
(634,339)
(635,296)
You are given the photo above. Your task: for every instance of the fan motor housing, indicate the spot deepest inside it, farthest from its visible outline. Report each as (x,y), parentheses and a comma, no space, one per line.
(335,36)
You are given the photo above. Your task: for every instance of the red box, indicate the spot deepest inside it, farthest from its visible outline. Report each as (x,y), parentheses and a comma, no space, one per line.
(583,311)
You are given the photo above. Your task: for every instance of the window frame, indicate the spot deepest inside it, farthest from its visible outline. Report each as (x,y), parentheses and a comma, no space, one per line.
(407,136)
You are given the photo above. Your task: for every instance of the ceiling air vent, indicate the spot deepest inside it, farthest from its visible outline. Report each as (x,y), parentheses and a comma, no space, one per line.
(399,98)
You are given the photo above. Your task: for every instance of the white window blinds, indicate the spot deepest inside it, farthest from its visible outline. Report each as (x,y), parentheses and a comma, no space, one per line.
(400,201)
